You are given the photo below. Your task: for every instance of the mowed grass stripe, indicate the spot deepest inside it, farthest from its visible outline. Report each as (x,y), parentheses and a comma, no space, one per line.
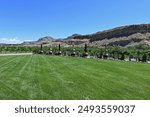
(5,61)
(9,82)
(116,79)
(54,77)
(110,78)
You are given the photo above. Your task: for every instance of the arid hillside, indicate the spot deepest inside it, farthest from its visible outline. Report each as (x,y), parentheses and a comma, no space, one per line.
(123,36)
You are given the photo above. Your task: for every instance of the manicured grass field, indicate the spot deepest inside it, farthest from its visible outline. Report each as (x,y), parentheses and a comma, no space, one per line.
(54,77)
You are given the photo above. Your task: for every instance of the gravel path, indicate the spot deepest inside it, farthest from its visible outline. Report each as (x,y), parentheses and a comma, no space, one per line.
(16,54)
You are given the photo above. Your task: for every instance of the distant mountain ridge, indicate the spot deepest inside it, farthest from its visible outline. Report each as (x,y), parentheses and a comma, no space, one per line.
(46,40)
(129,35)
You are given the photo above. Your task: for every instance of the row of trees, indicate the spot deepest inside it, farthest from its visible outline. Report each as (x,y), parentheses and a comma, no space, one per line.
(136,53)
(62,51)
(14,49)
(115,53)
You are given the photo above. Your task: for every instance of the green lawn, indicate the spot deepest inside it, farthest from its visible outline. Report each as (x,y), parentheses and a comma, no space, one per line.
(54,77)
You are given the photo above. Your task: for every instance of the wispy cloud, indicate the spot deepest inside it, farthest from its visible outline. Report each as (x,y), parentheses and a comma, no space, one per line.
(10,40)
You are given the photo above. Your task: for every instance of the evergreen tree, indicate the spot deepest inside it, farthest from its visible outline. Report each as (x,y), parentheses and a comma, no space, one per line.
(85,54)
(144,58)
(85,48)
(122,56)
(138,55)
(41,47)
(59,48)
(130,57)
(149,56)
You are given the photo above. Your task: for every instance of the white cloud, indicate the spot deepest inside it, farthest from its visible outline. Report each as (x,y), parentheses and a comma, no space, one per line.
(10,40)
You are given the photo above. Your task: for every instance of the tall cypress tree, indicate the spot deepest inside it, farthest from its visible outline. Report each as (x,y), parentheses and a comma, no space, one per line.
(122,56)
(41,47)
(144,58)
(59,52)
(138,55)
(149,56)
(85,48)
(59,48)
(85,54)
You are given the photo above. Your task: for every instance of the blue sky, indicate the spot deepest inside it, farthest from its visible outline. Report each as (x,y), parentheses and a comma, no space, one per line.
(31,19)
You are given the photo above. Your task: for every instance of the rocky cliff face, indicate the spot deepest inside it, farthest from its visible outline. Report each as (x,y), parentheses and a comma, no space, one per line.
(122,36)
